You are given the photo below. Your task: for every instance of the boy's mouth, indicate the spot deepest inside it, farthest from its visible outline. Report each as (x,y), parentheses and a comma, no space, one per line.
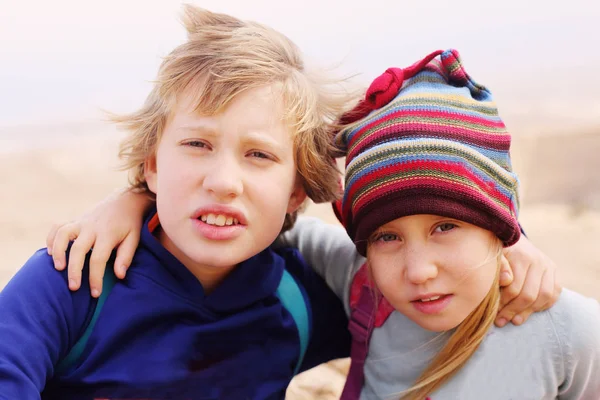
(218,219)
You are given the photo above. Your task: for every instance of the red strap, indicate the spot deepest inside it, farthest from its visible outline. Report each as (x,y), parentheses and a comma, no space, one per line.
(362,323)
(369,310)
(361,278)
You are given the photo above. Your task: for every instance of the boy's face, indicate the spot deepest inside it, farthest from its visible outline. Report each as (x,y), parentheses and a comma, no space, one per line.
(224,183)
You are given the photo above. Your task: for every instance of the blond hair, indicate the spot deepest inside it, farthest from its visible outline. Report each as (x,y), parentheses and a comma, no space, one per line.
(463,343)
(223,57)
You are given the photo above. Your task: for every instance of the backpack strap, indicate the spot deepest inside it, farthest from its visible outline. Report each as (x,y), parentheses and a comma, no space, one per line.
(291,297)
(369,310)
(362,323)
(74,355)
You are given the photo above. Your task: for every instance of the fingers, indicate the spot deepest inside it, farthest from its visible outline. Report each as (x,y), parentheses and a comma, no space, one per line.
(548,294)
(125,253)
(62,237)
(50,238)
(508,294)
(98,259)
(77,255)
(521,305)
(506,276)
(546,298)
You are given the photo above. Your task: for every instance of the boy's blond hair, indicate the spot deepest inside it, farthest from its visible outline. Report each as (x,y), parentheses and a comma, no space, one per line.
(222,58)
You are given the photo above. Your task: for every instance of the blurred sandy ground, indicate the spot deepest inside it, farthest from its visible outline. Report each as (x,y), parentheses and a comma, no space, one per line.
(55,173)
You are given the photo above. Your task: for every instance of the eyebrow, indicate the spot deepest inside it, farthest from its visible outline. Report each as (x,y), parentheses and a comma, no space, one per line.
(198,129)
(257,139)
(252,137)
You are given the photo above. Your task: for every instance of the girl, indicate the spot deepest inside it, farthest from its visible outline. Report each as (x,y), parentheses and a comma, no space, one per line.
(430,201)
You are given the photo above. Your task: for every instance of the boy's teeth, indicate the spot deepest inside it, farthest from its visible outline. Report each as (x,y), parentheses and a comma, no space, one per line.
(218,220)
(211,219)
(431,298)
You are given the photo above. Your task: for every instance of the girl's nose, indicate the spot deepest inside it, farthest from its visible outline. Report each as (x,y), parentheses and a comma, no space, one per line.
(419,266)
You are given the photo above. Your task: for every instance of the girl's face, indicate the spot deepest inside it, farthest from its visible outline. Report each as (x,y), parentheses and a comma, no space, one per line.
(435,270)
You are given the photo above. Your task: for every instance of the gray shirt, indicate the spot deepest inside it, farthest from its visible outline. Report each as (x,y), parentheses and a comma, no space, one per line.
(554,355)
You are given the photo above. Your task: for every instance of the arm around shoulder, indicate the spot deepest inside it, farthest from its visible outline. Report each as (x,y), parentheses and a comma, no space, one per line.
(578,327)
(39,321)
(328,250)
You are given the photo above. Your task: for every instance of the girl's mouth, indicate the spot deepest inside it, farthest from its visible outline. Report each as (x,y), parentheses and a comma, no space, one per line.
(432,304)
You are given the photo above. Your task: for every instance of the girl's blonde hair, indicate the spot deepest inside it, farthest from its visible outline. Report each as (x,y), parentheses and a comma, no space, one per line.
(223,57)
(463,343)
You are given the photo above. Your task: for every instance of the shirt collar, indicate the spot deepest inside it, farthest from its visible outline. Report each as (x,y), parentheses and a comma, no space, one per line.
(252,280)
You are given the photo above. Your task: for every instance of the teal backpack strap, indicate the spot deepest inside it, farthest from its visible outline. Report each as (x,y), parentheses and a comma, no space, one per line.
(291,297)
(74,355)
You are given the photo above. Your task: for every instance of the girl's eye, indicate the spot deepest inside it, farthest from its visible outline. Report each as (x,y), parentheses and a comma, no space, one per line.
(445,227)
(385,237)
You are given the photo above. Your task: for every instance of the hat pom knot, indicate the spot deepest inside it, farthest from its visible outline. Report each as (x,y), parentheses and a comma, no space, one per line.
(385,87)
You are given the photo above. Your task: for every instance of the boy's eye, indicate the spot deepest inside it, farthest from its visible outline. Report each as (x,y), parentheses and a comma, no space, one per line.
(259,154)
(445,227)
(196,143)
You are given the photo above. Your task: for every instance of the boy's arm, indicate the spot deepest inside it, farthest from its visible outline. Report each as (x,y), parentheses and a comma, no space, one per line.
(578,326)
(39,320)
(327,249)
(532,285)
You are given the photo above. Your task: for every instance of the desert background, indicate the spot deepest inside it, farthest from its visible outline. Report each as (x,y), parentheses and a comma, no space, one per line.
(64,62)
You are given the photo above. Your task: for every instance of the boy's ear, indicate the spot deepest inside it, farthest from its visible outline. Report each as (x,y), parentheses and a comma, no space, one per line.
(150,173)
(297,197)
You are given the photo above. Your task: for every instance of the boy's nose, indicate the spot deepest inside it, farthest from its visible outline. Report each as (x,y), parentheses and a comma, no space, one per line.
(224,180)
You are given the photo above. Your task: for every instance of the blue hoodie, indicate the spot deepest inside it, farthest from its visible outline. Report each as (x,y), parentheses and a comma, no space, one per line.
(159,336)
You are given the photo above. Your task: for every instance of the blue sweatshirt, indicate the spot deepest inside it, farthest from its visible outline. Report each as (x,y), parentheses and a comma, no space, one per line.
(159,336)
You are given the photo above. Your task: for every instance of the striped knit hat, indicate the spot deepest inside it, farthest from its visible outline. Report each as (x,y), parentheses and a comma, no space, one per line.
(427,139)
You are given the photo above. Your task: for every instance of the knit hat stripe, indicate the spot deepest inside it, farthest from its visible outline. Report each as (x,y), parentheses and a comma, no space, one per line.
(466,192)
(458,172)
(449,101)
(424,104)
(392,158)
(400,149)
(444,100)
(496,156)
(426,129)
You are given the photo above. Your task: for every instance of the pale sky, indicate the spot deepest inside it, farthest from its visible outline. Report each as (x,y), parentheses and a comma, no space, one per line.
(63,60)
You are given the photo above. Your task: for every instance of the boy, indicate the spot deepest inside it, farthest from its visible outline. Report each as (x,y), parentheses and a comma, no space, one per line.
(217,143)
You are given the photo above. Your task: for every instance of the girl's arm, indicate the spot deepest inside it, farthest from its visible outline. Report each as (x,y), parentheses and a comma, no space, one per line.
(39,321)
(114,223)
(328,249)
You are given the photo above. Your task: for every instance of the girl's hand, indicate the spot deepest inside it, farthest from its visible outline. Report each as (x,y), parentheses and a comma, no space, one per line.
(530,285)
(114,223)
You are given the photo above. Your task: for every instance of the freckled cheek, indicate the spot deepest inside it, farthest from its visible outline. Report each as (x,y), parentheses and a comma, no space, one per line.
(477,282)
(388,278)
